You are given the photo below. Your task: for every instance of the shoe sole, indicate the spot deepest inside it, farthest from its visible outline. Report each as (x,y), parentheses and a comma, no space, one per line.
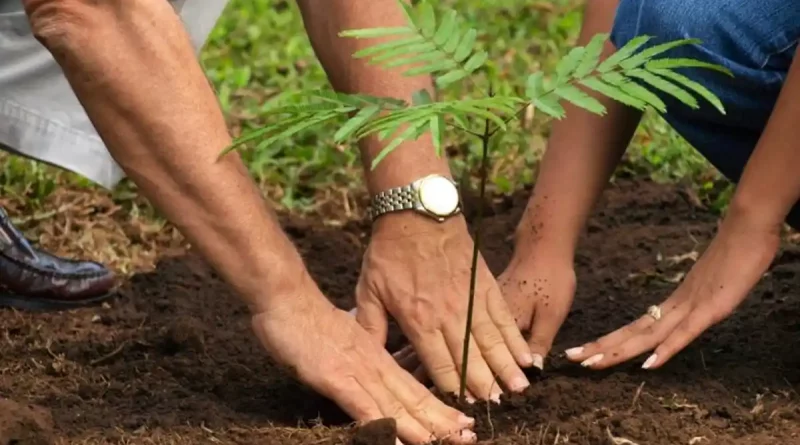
(45,305)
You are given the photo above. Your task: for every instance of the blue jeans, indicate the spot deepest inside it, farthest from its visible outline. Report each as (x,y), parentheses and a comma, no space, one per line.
(756,40)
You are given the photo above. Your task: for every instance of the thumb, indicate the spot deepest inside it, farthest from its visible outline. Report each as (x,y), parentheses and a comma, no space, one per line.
(371,315)
(544,328)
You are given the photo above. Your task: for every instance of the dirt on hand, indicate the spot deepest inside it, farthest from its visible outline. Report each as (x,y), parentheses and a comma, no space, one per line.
(172,360)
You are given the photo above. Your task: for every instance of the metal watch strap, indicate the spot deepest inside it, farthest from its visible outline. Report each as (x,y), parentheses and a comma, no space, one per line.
(400,198)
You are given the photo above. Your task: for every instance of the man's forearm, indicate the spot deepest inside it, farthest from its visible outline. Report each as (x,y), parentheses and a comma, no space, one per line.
(581,156)
(132,66)
(324,20)
(770,184)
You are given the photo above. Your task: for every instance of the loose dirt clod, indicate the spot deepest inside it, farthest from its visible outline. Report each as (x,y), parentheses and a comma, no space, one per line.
(378,432)
(24,425)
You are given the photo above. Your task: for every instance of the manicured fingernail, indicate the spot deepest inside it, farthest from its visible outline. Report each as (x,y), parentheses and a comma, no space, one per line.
(650,361)
(592,360)
(519,383)
(470,399)
(571,353)
(466,420)
(495,397)
(528,359)
(538,361)
(397,442)
(468,436)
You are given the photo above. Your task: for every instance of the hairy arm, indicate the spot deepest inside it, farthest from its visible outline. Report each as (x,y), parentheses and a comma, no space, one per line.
(133,68)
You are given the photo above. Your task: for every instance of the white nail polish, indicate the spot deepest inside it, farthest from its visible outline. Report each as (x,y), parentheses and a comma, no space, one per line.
(468,436)
(592,360)
(573,352)
(538,362)
(650,361)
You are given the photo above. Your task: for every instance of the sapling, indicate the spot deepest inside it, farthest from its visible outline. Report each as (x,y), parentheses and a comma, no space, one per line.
(446,48)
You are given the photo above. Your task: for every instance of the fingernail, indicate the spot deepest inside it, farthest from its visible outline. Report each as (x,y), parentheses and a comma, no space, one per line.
(466,420)
(538,361)
(527,359)
(468,436)
(397,442)
(495,397)
(519,383)
(571,353)
(469,399)
(650,361)
(592,360)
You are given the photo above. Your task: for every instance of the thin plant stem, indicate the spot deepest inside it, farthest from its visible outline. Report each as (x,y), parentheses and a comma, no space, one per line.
(485,137)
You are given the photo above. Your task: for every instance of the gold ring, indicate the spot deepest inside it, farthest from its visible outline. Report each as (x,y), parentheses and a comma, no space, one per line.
(655,312)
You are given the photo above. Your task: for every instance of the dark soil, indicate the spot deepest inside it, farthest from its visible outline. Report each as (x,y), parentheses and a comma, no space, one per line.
(172,360)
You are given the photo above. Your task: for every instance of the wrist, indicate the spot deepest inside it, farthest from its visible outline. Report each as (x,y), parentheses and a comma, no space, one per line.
(748,213)
(533,243)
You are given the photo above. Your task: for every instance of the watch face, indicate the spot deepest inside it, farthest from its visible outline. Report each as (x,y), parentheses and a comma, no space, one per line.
(438,195)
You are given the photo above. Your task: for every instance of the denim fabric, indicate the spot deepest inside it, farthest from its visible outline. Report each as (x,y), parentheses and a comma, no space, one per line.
(756,40)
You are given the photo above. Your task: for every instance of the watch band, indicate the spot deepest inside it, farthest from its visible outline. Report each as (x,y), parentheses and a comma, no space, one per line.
(400,198)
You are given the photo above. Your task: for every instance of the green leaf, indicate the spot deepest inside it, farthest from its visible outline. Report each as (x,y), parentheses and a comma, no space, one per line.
(408,11)
(368,33)
(568,64)
(623,53)
(548,104)
(452,42)
(613,92)
(694,86)
(580,99)
(386,46)
(421,97)
(469,108)
(451,77)
(311,121)
(658,64)
(424,57)
(408,134)
(635,90)
(432,68)
(427,19)
(436,127)
(467,46)
(460,121)
(665,86)
(404,50)
(653,51)
(356,121)
(447,28)
(591,57)
(476,61)
(535,85)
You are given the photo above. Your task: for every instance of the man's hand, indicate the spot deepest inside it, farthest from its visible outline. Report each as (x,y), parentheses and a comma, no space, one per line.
(539,293)
(421,276)
(733,263)
(329,351)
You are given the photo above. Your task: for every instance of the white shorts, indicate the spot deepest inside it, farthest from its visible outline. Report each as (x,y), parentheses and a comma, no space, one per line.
(41,118)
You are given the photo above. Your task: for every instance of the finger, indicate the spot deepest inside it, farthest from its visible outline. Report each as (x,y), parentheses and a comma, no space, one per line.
(509,330)
(408,428)
(444,421)
(496,352)
(480,379)
(545,326)
(588,350)
(435,355)
(371,315)
(353,399)
(687,331)
(642,341)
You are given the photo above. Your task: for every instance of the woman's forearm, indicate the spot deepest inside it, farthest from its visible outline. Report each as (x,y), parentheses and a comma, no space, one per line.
(581,155)
(132,66)
(770,183)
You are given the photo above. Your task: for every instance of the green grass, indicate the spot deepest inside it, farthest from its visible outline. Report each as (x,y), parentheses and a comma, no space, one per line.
(259,48)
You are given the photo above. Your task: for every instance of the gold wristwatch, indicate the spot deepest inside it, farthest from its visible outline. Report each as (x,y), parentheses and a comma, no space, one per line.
(434,196)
